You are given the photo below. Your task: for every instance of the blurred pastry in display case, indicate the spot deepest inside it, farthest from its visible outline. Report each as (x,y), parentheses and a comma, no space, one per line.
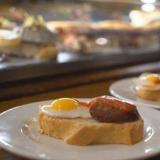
(9,42)
(68,26)
(107,36)
(72,35)
(9,39)
(112,25)
(33,40)
(145,20)
(18,14)
(74,43)
(38,38)
(6,23)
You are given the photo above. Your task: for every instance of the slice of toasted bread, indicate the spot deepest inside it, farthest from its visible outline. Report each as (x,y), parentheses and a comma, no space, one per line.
(148,94)
(84,131)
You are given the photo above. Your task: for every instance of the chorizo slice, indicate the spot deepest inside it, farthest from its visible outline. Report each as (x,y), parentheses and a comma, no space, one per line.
(110,109)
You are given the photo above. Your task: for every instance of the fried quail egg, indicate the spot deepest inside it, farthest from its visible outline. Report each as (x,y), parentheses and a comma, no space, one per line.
(66,108)
(149,81)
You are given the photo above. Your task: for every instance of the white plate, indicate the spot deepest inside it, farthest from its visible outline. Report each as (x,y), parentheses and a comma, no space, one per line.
(125,89)
(20,136)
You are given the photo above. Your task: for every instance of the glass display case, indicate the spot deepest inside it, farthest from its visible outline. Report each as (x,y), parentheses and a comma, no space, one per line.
(87,33)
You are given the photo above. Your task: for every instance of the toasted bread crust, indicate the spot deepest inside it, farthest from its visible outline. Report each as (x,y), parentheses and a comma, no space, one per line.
(148,94)
(88,131)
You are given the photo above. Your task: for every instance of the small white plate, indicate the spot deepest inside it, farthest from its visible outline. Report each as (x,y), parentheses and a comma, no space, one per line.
(125,89)
(19,134)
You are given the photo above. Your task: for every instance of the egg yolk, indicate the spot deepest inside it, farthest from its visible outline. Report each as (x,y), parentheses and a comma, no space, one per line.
(64,104)
(154,78)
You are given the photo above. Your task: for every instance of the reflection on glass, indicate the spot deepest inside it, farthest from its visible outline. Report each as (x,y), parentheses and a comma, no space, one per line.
(148,7)
(101,41)
(148,1)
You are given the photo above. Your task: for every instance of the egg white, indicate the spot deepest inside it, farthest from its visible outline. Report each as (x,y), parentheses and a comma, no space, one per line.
(76,113)
(144,83)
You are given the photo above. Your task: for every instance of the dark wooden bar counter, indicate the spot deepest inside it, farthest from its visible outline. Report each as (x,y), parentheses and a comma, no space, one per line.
(81,84)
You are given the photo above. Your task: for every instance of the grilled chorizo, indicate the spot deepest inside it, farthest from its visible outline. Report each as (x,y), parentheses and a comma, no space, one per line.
(110,109)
